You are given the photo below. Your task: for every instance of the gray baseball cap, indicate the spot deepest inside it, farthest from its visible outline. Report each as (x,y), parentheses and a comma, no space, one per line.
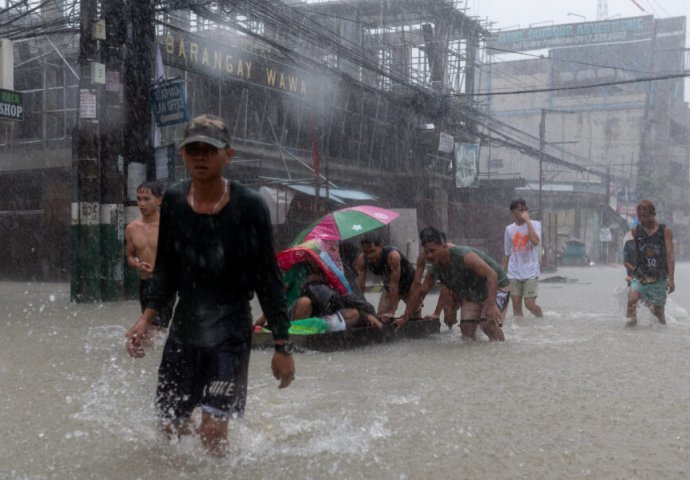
(207,129)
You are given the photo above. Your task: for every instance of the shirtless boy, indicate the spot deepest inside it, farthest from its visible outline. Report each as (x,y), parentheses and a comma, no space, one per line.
(141,239)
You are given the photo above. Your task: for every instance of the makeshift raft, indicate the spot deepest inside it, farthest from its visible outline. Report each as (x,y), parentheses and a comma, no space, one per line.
(353,337)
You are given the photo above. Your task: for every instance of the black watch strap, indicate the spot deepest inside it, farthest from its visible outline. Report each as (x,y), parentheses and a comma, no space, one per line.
(287,348)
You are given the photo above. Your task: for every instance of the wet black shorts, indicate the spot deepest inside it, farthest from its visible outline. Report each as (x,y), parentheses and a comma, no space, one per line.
(164,314)
(214,378)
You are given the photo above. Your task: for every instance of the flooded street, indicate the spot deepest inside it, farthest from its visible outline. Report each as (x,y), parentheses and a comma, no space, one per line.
(573,395)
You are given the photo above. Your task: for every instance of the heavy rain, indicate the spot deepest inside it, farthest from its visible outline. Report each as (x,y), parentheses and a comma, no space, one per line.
(394,239)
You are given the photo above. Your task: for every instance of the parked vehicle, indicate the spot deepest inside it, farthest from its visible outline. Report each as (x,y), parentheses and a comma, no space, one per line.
(574,253)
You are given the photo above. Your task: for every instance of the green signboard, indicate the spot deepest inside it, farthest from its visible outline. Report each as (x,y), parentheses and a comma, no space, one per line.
(11,105)
(583,33)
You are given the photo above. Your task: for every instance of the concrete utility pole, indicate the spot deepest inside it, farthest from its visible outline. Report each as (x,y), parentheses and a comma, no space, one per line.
(86,245)
(100,156)
(138,151)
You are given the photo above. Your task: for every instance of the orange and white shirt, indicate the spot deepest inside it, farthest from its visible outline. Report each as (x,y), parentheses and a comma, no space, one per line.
(524,256)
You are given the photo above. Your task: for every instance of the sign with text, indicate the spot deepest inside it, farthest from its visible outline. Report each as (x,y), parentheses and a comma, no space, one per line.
(169,103)
(221,60)
(87,104)
(446,143)
(11,105)
(583,33)
(466,164)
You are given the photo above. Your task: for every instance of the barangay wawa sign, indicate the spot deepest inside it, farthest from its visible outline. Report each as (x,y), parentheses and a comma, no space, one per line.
(169,103)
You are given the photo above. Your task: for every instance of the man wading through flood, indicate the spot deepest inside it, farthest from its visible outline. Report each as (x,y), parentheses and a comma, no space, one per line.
(215,249)
(655,265)
(474,277)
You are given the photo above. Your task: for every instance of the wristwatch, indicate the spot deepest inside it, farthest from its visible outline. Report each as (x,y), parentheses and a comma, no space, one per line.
(287,348)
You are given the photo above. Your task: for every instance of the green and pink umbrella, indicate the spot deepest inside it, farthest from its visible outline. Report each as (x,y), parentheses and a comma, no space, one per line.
(347,223)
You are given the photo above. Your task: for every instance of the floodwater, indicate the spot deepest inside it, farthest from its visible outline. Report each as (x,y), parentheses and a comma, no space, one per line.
(574,395)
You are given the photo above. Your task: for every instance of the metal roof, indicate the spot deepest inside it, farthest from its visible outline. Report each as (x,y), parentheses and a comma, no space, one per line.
(338,195)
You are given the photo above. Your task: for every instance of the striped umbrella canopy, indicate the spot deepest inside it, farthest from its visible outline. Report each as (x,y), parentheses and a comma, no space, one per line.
(316,254)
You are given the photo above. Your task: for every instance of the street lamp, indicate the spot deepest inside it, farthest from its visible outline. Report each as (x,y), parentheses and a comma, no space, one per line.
(571,14)
(550,22)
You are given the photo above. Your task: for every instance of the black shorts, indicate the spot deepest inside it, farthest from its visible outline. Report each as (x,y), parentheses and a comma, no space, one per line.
(214,378)
(164,314)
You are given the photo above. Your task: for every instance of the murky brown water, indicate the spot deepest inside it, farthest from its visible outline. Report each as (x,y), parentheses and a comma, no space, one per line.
(570,396)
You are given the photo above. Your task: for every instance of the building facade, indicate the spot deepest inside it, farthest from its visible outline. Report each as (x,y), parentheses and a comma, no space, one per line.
(604,102)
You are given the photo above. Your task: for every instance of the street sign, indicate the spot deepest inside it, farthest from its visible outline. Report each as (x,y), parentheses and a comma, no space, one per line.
(169,103)
(11,105)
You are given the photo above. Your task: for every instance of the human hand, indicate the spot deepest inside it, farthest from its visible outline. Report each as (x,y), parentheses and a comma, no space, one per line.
(135,335)
(283,367)
(670,285)
(493,314)
(398,323)
(144,267)
(375,321)
(387,317)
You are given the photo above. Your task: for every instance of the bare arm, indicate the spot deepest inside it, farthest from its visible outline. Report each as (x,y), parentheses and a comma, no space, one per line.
(419,270)
(138,332)
(475,263)
(361,270)
(444,297)
(417,295)
(130,249)
(507,248)
(531,232)
(504,263)
(670,260)
(394,282)
(533,235)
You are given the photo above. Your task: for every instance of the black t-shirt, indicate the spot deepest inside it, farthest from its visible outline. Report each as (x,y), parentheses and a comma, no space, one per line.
(382,268)
(215,262)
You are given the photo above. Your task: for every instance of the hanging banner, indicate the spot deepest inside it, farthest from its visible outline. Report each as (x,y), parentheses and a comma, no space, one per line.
(169,103)
(466,165)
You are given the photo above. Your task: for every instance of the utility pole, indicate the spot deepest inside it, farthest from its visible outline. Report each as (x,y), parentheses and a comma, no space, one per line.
(542,142)
(138,147)
(85,230)
(98,165)
(138,151)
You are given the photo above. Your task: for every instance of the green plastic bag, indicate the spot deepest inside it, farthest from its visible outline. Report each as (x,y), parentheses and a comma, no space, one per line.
(308,326)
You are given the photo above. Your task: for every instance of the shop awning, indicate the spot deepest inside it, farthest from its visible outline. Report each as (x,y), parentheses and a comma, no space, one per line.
(338,195)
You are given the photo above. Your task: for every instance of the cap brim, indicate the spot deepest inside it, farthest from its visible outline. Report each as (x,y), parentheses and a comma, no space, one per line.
(204,139)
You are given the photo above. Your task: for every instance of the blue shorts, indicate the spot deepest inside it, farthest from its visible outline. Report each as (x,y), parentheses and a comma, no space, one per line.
(654,293)
(214,378)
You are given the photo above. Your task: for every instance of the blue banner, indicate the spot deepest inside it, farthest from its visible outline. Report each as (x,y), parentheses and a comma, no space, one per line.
(169,103)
